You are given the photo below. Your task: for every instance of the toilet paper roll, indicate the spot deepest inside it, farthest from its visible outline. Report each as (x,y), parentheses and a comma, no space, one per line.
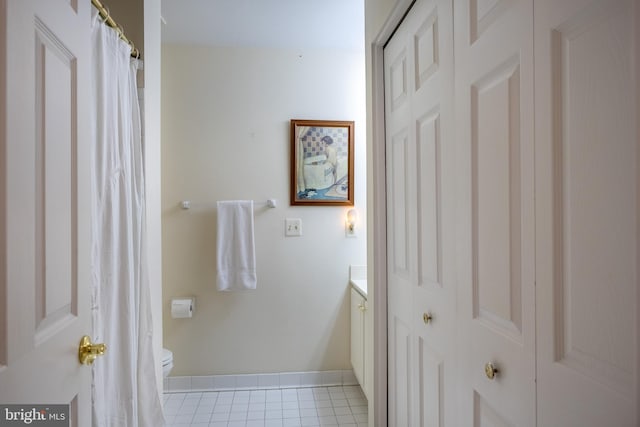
(181,308)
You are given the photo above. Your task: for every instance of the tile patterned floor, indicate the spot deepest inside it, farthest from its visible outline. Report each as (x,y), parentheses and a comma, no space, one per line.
(319,406)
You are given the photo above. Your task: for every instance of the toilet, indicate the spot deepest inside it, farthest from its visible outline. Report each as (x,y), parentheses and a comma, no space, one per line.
(167,362)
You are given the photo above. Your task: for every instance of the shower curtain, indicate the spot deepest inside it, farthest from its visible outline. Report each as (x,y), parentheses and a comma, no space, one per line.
(124,391)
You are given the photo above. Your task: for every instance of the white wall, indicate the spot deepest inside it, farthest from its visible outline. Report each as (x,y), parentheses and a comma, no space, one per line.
(225,135)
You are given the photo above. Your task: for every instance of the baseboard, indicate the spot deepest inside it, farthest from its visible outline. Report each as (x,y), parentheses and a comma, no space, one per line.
(260,381)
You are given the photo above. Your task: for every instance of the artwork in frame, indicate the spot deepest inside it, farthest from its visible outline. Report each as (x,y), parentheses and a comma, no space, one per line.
(322,162)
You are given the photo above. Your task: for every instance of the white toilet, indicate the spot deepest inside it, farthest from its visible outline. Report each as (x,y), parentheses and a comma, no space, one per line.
(167,362)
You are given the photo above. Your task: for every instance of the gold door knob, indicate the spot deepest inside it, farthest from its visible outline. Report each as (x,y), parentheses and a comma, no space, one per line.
(362,307)
(88,352)
(427,318)
(490,370)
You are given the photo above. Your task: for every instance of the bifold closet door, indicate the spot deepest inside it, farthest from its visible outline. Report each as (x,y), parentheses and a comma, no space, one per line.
(418,66)
(495,160)
(587,222)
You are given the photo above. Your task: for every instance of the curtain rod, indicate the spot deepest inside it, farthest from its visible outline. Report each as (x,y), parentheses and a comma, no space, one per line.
(104,14)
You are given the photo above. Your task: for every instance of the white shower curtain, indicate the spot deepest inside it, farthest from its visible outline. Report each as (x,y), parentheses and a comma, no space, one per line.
(124,391)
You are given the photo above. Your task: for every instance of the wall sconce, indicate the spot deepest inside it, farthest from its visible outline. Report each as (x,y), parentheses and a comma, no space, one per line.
(350,224)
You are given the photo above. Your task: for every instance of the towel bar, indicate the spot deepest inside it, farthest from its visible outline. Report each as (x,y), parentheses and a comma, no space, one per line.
(270,203)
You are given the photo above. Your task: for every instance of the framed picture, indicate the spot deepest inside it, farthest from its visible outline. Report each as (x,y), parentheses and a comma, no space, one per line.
(322,162)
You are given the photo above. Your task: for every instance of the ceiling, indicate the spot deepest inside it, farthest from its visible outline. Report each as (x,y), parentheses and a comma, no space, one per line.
(323,24)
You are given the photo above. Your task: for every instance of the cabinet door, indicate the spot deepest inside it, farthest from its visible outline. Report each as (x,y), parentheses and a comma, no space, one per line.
(357,335)
(494,124)
(587,212)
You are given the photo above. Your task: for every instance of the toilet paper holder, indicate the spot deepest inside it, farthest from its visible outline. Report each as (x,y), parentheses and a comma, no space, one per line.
(182,307)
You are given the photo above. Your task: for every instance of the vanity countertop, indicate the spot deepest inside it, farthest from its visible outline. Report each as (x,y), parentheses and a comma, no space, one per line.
(358,278)
(360,285)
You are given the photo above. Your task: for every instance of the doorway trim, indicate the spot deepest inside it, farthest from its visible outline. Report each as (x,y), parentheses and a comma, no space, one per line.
(379,207)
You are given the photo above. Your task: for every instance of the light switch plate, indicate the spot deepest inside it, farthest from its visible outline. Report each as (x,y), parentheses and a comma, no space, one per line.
(292,227)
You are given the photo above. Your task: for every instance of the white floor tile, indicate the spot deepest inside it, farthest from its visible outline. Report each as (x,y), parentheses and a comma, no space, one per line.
(274,414)
(204,409)
(255,415)
(323,412)
(273,406)
(344,419)
(240,407)
(274,396)
(340,402)
(290,413)
(290,405)
(303,404)
(201,418)
(361,418)
(328,420)
(357,401)
(324,404)
(291,422)
(343,410)
(237,416)
(295,407)
(181,419)
(308,412)
(309,421)
(221,409)
(220,416)
(290,395)
(359,409)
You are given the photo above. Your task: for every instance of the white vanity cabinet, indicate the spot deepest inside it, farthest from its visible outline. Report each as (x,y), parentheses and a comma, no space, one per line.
(358,313)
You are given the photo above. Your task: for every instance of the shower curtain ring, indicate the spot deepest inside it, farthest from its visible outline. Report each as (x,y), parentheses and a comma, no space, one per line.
(106,18)
(135,50)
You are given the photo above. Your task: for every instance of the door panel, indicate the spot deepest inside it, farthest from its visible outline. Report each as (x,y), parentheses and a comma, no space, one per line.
(431,392)
(428,148)
(45,148)
(55,148)
(494,112)
(496,195)
(400,233)
(401,406)
(587,212)
(419,154)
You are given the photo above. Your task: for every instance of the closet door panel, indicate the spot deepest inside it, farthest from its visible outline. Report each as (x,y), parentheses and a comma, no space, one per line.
(587,212)
(494,143)
(420,235)
(434,292)
(401,250)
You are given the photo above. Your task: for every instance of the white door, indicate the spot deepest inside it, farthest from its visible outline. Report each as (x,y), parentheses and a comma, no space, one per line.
(587,219)
(418,67)
(496,289)
(44,203)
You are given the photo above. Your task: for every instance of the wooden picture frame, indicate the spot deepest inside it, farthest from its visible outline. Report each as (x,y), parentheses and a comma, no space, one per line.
(322,162)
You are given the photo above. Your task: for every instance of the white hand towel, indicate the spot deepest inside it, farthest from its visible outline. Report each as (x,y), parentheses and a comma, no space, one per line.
(236,258)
